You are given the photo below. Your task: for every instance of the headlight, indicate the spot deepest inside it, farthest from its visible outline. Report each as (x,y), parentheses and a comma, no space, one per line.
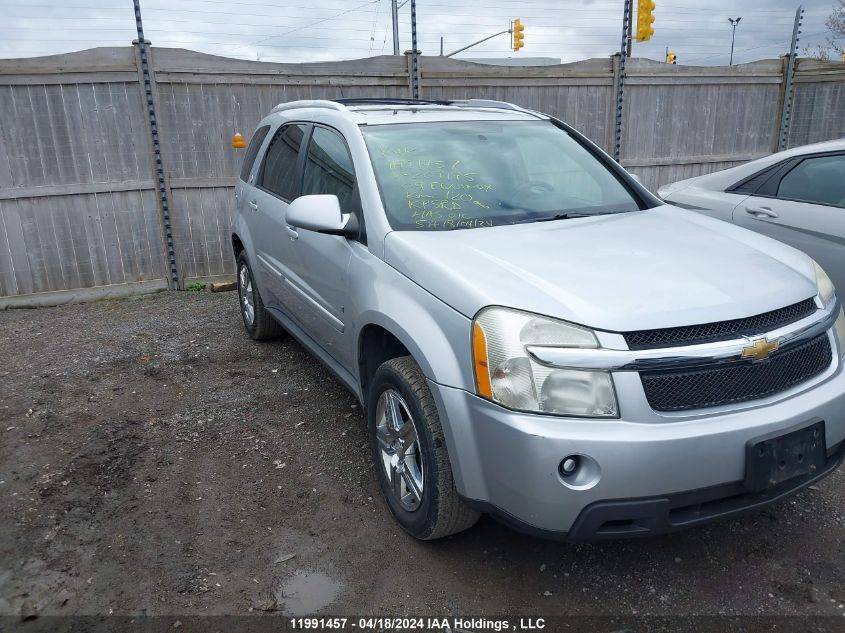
(826,294)
(506,374)
(824,284)
(839,328)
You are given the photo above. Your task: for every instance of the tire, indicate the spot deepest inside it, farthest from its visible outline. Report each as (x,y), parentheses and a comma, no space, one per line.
(259,324)
(435,510)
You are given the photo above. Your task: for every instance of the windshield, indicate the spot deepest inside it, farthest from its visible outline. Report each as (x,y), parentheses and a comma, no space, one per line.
(469,174)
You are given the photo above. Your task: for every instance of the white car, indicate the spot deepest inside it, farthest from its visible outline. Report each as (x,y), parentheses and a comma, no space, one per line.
(796,196)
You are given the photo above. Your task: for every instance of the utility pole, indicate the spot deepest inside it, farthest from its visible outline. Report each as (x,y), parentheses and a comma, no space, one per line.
(395,11)
(733,37)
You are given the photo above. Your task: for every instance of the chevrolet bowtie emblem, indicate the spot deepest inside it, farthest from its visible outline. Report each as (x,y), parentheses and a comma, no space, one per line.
(760,349)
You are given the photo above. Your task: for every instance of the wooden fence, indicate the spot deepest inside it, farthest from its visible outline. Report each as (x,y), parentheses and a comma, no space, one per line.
(78,203)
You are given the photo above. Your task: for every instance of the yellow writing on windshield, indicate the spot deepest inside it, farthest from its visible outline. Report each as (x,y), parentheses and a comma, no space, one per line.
(440,193)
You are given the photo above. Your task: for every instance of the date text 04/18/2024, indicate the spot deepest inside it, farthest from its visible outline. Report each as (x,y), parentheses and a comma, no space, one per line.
(450,625)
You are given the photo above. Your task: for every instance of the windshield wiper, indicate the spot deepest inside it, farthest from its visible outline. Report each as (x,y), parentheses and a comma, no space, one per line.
(565,215)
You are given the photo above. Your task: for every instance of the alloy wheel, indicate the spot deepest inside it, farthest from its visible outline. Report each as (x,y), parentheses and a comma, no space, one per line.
(400,449)
(247,295)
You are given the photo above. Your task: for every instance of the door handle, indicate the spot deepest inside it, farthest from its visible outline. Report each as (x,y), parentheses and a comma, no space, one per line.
(761,211)
(291,232)
(253,205)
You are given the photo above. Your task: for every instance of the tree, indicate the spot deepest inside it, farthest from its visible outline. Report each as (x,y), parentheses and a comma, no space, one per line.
(835,24)
(834,46)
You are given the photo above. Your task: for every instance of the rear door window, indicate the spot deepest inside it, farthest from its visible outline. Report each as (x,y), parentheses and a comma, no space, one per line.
(278,173)
(252,151)
(818,180)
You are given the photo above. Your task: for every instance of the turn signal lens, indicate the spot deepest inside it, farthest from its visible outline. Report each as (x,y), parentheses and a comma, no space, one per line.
(482,371)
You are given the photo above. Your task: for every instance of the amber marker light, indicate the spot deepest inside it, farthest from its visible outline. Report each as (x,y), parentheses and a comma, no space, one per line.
(238,141)
(479,353)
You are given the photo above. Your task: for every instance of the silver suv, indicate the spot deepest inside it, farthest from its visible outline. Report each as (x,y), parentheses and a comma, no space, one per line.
(531,332)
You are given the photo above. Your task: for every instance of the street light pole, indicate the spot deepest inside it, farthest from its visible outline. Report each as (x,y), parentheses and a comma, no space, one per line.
(733,22)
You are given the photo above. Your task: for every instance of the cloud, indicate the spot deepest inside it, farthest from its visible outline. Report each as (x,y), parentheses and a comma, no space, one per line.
(317,30)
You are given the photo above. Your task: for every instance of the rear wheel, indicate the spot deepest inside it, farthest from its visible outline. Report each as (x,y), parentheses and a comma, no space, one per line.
(409,451)
(259,324)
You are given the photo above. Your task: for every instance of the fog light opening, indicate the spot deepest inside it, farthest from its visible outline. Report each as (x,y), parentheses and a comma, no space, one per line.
(579,472)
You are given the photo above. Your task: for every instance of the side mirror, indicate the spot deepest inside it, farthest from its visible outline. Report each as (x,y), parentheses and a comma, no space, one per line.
(321,213)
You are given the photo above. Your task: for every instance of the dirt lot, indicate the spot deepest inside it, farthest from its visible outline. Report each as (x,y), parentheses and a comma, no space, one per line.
(154,460)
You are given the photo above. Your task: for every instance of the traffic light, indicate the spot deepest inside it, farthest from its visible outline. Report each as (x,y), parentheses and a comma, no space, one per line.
(645,19)
(518,35)
(671,58)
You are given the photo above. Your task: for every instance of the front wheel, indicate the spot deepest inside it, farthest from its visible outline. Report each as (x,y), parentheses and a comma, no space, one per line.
(410,455)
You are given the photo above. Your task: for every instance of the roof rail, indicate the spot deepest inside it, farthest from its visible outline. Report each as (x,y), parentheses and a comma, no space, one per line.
(392,101)
(467,103)
(486,103)
(310,103)
(340,105)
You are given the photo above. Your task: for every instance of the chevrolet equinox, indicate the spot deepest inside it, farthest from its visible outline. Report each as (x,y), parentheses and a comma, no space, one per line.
(531,333)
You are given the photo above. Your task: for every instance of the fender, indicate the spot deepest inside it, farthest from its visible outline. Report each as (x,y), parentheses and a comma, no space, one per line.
(436,335)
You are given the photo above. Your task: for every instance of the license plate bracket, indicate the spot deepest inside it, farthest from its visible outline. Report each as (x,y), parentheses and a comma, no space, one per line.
(770,461)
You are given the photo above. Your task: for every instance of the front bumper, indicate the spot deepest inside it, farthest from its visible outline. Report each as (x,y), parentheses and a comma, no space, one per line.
(659,515)
(507,463)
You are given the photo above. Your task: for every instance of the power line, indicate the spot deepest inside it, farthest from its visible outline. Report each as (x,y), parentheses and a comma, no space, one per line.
(555,33)
(337,15)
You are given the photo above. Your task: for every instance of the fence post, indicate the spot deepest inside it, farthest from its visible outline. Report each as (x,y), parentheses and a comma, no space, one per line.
(784,69)
(415,62)
(619,82)
(786,105)
(146,76)
(410,70)
(615,123)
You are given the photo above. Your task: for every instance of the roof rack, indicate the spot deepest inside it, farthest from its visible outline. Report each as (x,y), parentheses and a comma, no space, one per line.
(340,105)
(392,101)
(486,103)
(466,103)
(310,103)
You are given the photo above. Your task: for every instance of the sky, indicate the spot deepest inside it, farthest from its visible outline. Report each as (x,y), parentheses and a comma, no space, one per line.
(697,31)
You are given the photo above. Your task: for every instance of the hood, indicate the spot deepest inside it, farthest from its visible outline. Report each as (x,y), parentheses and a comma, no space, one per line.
(658,268)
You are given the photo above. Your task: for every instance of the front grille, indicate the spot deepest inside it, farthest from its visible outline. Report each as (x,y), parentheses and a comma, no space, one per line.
(738,382)
(721,331)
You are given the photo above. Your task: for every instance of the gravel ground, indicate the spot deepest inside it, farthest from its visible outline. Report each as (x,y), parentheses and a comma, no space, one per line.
(154,460)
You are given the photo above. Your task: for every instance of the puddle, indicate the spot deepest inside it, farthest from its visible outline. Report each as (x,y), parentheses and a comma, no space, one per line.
(306,593)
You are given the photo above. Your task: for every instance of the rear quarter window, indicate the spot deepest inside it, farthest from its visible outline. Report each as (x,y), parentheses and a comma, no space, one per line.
(252,151)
